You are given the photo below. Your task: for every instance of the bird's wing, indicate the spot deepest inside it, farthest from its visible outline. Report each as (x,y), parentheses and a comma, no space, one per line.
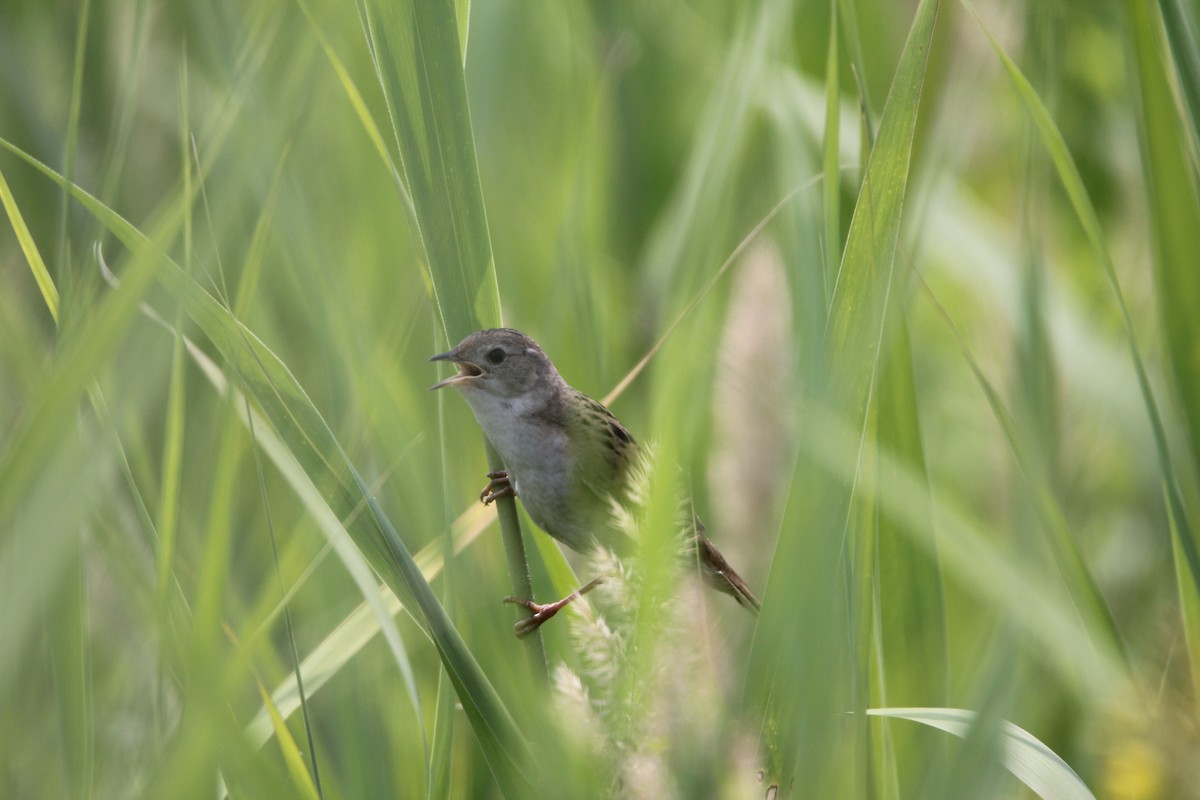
(610,448)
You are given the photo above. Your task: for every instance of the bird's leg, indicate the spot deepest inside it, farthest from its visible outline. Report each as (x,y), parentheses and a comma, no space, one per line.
(498,486)
(541,612)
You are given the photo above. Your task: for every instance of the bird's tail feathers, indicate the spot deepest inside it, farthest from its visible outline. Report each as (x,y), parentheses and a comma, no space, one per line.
(718,574)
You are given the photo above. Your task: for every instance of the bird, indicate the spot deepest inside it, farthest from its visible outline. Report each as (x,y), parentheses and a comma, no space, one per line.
(565,456)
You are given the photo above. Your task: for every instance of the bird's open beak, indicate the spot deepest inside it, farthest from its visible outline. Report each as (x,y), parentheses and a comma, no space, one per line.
(466,370)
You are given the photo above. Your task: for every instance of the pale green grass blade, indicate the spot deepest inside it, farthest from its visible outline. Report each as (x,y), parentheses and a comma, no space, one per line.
(441,779)
(172,465)
(79,361)
(375,615)
(312,442)
(71,146)
(1025,756)
(361,626)
(1169,166)
(32,255)
(296,768)
(832,186)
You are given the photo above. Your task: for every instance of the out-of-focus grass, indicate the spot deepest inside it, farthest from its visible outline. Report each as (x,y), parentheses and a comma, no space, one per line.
(940,530)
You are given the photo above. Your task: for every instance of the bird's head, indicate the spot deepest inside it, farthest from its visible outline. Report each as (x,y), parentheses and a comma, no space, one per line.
(501,362)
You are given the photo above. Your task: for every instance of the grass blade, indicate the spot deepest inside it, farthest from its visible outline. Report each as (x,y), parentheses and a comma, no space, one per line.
(1171,179)
(1033,763)
(803,567)
(419,58)
(312,442)
(1173,260)
(32,255)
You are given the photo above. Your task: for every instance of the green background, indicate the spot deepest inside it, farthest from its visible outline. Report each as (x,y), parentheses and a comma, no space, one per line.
(943,410)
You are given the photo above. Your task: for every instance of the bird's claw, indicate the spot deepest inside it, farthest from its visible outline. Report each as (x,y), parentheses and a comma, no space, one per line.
(541,613)
(544,611)
(498,486)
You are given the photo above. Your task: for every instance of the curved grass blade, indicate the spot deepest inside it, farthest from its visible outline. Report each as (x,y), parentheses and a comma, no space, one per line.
(1025,756)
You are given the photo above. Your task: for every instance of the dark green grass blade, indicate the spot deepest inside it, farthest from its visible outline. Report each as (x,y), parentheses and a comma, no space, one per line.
(1179,23)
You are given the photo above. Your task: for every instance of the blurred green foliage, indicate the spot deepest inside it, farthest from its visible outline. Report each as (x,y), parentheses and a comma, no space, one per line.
(965,528)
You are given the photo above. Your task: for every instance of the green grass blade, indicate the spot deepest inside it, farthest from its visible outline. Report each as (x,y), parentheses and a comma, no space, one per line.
(419,59)
(32,255)
(800,712)
(71,146)
(440,782)
(312,442)
(832,186)
(361,111)
(913,656)
(79,361)
(360,626)
(292,757)
(972,560)
(854,47)
(1184,224)
(1171,178)
(172,465)
(1025,756)
(1077,577)
(1179,23)
(864,279)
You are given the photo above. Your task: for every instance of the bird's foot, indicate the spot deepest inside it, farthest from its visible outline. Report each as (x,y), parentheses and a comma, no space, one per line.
(498,486)
(543,612)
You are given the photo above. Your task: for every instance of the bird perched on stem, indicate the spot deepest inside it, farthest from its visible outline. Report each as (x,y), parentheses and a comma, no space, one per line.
(565,455)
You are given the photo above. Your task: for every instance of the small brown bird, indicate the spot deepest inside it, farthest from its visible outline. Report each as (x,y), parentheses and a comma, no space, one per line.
(566,456)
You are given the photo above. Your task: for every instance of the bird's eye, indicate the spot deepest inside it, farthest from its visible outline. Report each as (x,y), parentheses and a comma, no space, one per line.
(496,355)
